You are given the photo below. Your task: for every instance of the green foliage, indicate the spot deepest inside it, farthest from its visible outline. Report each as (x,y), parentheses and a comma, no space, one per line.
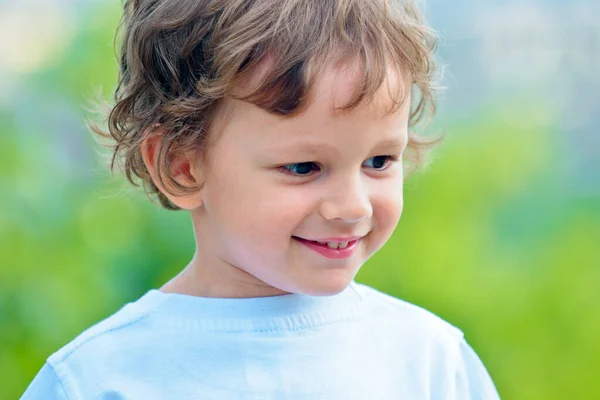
(487,240)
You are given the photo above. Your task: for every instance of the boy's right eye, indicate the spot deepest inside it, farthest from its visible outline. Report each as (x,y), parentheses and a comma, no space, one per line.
(298,169)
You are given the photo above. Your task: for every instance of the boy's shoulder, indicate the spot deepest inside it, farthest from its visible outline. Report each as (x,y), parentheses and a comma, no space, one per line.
(407,316)
(138,325)
(122,329)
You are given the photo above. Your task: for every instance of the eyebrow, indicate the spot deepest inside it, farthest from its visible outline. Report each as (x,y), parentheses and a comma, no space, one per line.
(391,144)
(315,148)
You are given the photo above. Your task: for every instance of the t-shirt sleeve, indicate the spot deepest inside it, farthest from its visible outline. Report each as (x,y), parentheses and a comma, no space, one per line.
(472,380)
(46,385)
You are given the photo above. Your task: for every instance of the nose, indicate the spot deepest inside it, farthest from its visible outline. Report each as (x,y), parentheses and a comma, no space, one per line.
(348,200)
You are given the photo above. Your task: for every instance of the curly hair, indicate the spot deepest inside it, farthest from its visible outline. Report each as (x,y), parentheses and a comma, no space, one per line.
(180,58)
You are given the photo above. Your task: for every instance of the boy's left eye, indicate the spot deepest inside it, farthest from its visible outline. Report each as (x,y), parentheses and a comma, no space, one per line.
(382,161)
(379,163)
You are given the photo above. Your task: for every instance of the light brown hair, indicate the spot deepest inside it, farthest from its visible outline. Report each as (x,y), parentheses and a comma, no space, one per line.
(180,58)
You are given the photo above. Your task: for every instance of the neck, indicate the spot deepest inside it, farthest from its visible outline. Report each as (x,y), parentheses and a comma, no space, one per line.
(203,279)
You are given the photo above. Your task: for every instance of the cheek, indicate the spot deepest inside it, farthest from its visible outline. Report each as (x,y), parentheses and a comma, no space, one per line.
(262,236)
(258,211)
(388,206)
(280,212)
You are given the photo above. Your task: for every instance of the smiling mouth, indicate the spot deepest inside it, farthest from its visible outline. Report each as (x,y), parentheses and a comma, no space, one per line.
(330,252)
(317,243)
(335,245)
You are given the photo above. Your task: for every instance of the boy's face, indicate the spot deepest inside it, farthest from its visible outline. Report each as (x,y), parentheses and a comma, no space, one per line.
(254,213)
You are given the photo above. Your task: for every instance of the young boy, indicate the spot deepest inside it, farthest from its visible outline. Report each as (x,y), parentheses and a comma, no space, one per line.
(281,127)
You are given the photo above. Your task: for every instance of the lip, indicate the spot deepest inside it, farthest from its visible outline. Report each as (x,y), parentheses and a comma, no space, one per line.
(337,239)
(329,252)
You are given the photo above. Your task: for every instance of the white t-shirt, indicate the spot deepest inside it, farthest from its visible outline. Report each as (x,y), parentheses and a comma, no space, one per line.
(358,344)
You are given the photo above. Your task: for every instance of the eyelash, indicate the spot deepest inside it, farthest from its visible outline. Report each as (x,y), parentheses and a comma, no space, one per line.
(285,170)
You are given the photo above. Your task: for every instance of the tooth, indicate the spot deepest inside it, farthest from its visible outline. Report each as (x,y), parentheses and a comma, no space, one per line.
(321,242)
(332,245)
(342,245)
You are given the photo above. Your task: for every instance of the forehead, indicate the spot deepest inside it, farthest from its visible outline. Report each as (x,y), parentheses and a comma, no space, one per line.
(338,84)
(334,82)
(322,119)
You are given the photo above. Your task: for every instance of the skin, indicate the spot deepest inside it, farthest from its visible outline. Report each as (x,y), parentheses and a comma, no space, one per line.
(249,210)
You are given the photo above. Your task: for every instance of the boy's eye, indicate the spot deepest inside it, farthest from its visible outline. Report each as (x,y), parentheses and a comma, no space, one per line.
(382,161)
(305,168)
(301,169)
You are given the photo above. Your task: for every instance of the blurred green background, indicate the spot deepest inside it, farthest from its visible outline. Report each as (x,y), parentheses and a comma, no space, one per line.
(500,235)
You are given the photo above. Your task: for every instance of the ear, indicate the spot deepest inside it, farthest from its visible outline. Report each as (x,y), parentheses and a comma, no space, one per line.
(182,169)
